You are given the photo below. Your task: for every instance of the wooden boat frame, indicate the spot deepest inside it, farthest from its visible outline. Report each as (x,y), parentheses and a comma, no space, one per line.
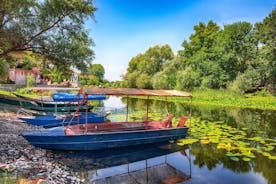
(145,125)
(104,135)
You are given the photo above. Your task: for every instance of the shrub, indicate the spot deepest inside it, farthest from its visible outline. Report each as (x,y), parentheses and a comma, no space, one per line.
(187,79)
(239,85)
(159,81)
(30,80)
(4,70)
(143,81)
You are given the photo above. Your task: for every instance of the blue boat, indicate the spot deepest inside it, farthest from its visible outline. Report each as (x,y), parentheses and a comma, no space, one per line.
(97,136)
(72,97)
(102,135)
(49,121)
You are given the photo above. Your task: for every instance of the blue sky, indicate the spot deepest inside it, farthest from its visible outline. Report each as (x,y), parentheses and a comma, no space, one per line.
(125,28)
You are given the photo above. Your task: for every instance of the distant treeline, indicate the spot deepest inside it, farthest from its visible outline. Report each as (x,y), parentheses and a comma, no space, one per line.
(239,56)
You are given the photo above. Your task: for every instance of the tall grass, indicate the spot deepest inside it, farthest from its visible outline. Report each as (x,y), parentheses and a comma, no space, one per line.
(226,98)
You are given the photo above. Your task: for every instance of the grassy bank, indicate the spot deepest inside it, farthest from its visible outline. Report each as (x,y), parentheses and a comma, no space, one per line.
(203,97)
(227,99)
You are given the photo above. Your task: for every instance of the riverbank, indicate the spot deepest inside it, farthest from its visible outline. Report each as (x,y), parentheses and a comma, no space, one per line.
(223,98)
(19,161)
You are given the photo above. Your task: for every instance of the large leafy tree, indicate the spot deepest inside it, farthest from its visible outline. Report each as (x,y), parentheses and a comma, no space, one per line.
(52,28)
(265,33)
(238,47)
(97,70)
(200,56)
(142,67)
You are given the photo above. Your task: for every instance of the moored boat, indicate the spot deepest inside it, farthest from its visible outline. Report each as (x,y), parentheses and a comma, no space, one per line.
(12,100)
(49,121)
(69,119)
(103,135)
(115,134)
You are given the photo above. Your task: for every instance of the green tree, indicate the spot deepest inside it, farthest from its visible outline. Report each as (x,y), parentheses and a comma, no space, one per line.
(187,79)
(238,48)
(265,33)
(147,65)
(97,70)
(4,70)
(52,28)
(200,55)
(143,81)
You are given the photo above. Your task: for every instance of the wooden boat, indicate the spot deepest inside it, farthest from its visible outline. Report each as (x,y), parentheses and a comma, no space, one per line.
(98,136)
(11,100)
(69,119)
(61,99)
(49,121)
(62,109)
(34,104)
(61,102)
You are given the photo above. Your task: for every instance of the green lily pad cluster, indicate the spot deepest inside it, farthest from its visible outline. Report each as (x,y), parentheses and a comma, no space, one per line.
(234,141)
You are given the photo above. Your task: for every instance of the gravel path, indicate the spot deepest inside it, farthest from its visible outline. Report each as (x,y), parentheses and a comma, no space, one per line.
(21,160)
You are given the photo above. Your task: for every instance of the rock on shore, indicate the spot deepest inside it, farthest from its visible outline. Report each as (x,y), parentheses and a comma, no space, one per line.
(21,160)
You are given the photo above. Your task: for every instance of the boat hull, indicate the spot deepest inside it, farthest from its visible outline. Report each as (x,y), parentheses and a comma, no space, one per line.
(52,121)
(10,100)
(57,140)
(71,108)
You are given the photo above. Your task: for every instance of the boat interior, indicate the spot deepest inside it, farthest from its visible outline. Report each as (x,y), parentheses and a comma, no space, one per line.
(123,126)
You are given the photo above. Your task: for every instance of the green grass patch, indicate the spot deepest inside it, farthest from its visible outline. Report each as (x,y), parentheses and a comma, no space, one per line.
(2,92)
(223,98)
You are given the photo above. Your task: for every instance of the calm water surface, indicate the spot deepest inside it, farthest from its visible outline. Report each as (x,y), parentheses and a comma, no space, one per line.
(166,162)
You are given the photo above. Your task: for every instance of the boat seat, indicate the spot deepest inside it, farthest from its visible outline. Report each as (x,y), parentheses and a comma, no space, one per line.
(182,121)
(69,131)
(167,123)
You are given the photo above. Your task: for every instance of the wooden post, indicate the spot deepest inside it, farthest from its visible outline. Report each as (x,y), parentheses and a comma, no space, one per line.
(167,105)
(127,110)
(147,115)
(190,115)
(86,119)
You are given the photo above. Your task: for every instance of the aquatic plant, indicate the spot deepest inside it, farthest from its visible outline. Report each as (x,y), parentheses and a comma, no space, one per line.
(235,142)
(224,98)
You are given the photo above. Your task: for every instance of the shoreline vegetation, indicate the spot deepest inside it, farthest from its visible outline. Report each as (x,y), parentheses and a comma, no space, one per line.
(224,98)
(219,98)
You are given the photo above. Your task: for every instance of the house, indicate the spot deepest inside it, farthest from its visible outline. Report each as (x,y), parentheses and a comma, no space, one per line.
(19,75)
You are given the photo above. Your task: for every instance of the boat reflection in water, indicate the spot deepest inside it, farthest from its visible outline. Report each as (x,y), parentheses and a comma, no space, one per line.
(155,163)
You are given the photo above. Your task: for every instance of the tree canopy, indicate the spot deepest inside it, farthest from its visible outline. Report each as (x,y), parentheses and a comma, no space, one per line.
(142,67)
(240,56)
(52,28)
(97,70)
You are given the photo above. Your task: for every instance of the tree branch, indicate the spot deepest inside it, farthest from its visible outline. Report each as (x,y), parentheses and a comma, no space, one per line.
(20,47)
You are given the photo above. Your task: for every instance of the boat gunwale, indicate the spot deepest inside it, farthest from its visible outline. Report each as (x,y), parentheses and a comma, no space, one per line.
(110,132)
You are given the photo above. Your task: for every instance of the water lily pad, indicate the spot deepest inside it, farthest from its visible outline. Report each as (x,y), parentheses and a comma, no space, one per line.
(230,154)
(269,148)
(204,141)
(267,154)
(236,159)
(272,157)
(182,142)
(246,159)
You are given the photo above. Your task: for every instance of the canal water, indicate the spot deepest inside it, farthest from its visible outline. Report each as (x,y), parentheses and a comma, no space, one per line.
(204,161)
(171,163)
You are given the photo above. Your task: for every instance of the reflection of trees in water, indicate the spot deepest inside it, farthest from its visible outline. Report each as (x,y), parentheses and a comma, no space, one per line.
(257,121)
(266,167)
(210,156)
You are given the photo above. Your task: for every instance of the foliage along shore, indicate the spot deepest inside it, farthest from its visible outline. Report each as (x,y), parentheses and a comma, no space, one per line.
(224,98)
(221,98)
